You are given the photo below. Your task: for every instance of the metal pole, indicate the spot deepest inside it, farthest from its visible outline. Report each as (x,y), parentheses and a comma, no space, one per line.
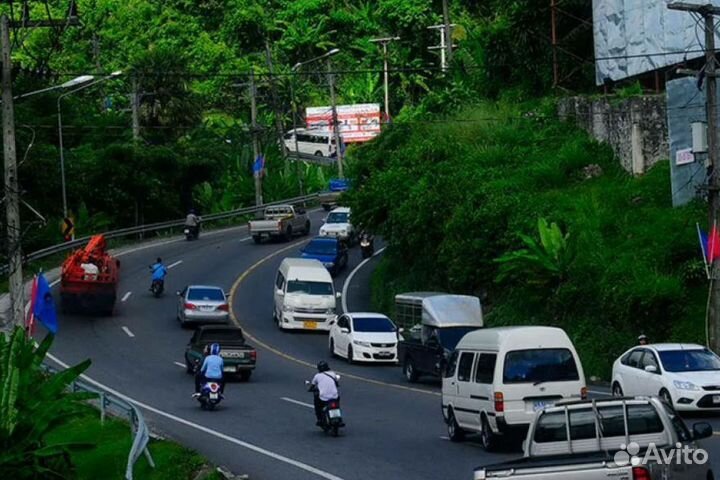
(12,194)
(447,31)
(135,101)
(385,75)
(255,144)
(553,32)
(295,127)
(442,48)
(276,103)
(335,123)
(62,159)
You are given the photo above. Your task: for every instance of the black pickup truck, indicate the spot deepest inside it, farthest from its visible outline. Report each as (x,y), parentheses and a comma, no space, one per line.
(425,348)
(239,357)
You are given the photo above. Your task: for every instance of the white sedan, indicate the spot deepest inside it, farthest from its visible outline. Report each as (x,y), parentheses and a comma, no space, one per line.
(364,337)
(686,376)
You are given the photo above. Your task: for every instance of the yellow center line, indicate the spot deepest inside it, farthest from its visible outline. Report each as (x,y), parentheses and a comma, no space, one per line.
(286,356)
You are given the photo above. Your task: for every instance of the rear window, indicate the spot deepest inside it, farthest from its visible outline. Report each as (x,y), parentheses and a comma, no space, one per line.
(539,366)
(208,294)
(221,336)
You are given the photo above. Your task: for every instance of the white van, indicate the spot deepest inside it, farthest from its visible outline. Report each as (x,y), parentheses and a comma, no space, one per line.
(497,378)
(305,296)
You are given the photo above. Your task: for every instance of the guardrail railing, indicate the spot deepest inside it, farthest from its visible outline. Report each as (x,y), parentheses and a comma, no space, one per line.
(155,227)
(107,402)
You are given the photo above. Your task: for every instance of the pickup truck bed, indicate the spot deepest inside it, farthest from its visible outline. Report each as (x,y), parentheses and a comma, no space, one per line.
(598,466)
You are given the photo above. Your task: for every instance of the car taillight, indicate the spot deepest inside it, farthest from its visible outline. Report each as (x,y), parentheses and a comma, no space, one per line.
(224,307)
(253,355)
(583,393)
(499,402)
(190,306)
(641,473)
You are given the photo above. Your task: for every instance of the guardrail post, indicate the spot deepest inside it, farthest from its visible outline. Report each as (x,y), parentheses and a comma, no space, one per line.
(149,457)
(102,408)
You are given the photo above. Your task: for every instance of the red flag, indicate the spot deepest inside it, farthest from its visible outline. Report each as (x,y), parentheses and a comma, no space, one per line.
(30,320)
(713,245)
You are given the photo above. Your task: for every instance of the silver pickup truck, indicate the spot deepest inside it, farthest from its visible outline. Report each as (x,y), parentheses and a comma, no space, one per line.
(283,221)
(617,438)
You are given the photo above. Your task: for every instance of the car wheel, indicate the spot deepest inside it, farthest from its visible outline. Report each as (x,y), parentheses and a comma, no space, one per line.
(278,322)
(488,439)
(332,349)
(455,433)
(189,368)
(409,370)
(245,376)
(665,397)
(617,390)
(288,234)
(257,238)
(350,357)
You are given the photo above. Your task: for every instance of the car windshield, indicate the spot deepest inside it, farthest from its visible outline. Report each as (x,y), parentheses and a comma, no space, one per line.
(222,336)
(374,324)
(207,294)
(337,217)
(321,248)
(540,365)
(450,336)
(310,288)
(689,360)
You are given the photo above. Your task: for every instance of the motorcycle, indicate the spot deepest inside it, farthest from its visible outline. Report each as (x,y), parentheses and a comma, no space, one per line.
(367,246)
(157,287)
(209,396)
(331,420)
(192,233)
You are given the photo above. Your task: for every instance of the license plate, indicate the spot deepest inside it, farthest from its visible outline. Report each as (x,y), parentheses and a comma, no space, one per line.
(207,308)
(213,396)
(539,405)
(335,413)
(716,399)
(229,369)
(310,325)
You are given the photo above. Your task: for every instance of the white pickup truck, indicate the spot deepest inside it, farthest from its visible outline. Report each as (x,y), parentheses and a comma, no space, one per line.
(282,221)
(616,438)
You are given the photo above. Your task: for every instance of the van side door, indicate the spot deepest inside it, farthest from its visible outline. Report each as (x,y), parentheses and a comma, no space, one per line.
(482,387)
(466,411)
(279,294)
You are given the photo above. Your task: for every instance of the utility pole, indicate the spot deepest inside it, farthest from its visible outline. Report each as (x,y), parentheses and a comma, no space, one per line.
(335,123)
(135,107)
(255,143)
(708,13)
(384,42)
(447,31)
(275,103)
(12,193)
(444,47)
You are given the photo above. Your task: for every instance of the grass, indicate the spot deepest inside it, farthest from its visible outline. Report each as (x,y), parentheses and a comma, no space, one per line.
(112,440)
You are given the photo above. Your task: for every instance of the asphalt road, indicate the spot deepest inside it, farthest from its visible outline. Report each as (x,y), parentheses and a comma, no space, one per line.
(265,427)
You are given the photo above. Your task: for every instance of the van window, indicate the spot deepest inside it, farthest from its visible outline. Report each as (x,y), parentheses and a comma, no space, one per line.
(551,428)
(465,368)
(280,281)
(540,365)
(485,370)
(452,363)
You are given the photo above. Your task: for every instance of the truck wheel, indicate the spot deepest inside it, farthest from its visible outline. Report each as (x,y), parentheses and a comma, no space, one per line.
(488,439)
(455,433)
(257,239)
(409,371)
(245,376)
(288,234)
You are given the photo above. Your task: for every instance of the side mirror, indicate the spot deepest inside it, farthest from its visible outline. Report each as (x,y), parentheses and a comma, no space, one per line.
(651,369)
(400,330)
(331,322)
(227,294)
(324,220)
(338,294)
(279,292)
(702,430)
(344,330)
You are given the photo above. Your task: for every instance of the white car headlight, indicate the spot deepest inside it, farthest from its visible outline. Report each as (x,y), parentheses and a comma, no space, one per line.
(362,344)
(288,308)
(685,385)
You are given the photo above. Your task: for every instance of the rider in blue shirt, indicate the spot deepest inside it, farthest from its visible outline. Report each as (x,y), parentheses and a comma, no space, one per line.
(158,270)
(211,369)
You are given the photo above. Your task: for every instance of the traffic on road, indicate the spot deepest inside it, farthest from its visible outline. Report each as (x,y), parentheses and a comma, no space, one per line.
(431,393)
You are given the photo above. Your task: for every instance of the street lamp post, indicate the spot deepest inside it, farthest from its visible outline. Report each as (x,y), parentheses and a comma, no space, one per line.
(78,81)
(384,42)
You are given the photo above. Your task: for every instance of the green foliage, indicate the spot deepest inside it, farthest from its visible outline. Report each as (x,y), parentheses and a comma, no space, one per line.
(459,194)
(33,405)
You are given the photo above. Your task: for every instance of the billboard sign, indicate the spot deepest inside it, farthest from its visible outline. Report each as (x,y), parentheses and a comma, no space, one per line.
(358,123)
(638,36)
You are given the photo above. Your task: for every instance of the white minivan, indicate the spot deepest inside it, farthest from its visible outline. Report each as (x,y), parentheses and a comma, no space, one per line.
(497,378)
(305,296)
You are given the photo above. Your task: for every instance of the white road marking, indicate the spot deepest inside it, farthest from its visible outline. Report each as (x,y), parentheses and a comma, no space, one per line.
(297,402)
(350,277)
(125,297)
(129,333)
(181,365)
(209,431)
(444,438)
(172,265)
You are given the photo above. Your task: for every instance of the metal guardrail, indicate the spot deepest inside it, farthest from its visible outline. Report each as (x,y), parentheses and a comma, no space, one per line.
(107,402)
(154,227)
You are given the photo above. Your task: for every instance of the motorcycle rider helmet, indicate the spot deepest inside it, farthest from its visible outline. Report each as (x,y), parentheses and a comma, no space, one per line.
(323,366)
(215,349)
(159,260)
(642,339)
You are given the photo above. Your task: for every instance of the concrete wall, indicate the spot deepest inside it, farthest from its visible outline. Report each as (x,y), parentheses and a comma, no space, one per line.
(635,128)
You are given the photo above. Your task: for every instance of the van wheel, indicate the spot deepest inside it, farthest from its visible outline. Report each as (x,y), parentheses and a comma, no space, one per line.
(318,153)
(409,371)
(455,433)
(278,321)
(488,439)
(617,390)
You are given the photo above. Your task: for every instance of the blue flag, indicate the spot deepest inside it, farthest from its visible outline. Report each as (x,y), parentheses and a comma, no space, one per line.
(44,308)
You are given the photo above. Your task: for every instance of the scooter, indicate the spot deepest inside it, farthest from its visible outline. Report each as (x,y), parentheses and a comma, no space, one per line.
(209,396)
(331,420)
(367,246)
(191,233)
(157,287)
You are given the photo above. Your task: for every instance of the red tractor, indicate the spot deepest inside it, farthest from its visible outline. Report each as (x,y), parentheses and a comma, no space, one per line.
(89,279)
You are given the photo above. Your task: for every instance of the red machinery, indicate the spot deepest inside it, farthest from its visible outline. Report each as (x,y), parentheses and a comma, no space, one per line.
(89,279)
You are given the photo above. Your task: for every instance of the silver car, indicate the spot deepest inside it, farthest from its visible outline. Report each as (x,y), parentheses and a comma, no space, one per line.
(202,304)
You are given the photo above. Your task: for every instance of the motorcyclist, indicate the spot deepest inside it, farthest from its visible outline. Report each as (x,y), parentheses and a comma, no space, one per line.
(192,221)
(159,271)
(211,370)
(643,339)
(325,387)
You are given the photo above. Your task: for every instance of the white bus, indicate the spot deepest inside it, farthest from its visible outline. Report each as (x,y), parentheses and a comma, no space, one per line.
(311,142)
